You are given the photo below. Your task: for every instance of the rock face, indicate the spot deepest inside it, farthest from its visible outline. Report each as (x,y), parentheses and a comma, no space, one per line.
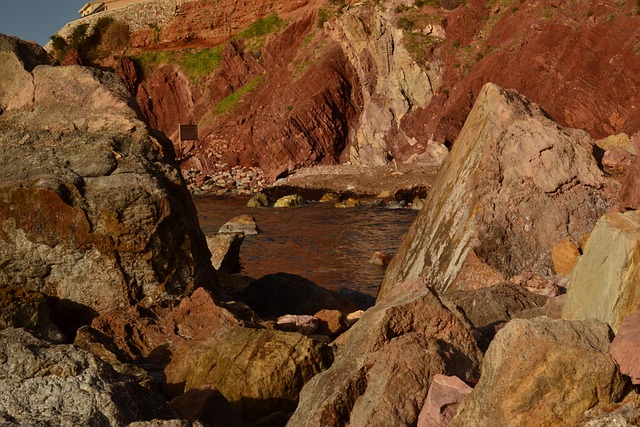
(513,186)
(28,310)
(604,284)
(532,362)
(259,371)
(386,362)
(93,211)
(45,384)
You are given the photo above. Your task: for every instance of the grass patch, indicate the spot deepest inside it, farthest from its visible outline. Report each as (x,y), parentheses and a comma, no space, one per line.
(420,45)
(195,64)
(255,35)
(232,100)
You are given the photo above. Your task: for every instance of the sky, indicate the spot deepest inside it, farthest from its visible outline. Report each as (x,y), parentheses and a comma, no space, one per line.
(37,20)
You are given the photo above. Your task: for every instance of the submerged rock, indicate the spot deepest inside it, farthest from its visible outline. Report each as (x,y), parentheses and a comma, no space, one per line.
(513,186)
(387,360)
(245,224)
(542,371)
(289,201)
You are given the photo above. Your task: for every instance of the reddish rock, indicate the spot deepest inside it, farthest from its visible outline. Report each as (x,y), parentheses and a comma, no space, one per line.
(625,347)
(331,322)
(443,399)
(617,162)
(537,284)
(380,258)
(630,191)
(387,361)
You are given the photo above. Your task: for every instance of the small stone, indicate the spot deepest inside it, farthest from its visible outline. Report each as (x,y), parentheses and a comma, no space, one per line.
(564,255)
(445,395)
(353,317)
(244,224)
(417,203)
(349,203)
(380,258)
(331,322)
(330,198)
(304,324)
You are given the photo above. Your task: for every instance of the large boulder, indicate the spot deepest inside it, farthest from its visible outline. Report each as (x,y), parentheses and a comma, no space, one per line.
(604,283)
(624,347)
(543,372)
(278,294)
(259,371)
(46,384)
(387,360)
(94,211)
(514,185)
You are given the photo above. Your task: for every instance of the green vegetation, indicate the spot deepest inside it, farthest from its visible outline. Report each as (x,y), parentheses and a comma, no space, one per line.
(255,35)
(548,13)
(194,63)
(232,100)
(106,36)
(420,46)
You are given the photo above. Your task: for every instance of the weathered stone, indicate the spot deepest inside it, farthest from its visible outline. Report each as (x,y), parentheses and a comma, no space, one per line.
(623,414)
(225,251)
(604,283)
(444,397)
(621,141)
(387,360)
(513,186)
(278,294)
(495,304)
(245,224)
(289,201)
(331,322)
(617,162)
(45,384)
(550,371)
(625,347)
(259,371)
(564,255)
(303,324)
(537,284)
(417,203)
(119,226)
(353,317)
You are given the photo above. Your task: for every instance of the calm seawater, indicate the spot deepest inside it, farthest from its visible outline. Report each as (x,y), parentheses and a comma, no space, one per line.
(328,246)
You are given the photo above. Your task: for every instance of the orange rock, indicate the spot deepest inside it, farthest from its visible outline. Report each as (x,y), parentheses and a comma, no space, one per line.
(564,255)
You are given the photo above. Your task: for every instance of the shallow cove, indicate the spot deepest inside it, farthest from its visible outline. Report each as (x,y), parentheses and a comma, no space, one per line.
(326,245)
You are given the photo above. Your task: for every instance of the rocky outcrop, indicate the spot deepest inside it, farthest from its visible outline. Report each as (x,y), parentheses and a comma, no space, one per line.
(393,82)
(29,310)
(93,211)
(530,363)
(259,371)
(604,283)
(45,384)
(387,360)
(513,186)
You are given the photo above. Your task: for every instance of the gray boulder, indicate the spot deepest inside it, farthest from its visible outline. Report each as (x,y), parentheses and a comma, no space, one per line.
(42,384)
(94,212)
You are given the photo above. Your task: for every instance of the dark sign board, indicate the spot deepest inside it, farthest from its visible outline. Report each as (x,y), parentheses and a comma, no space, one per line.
(188,132)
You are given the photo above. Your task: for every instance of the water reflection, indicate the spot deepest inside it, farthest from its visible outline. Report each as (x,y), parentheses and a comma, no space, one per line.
(328,246)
